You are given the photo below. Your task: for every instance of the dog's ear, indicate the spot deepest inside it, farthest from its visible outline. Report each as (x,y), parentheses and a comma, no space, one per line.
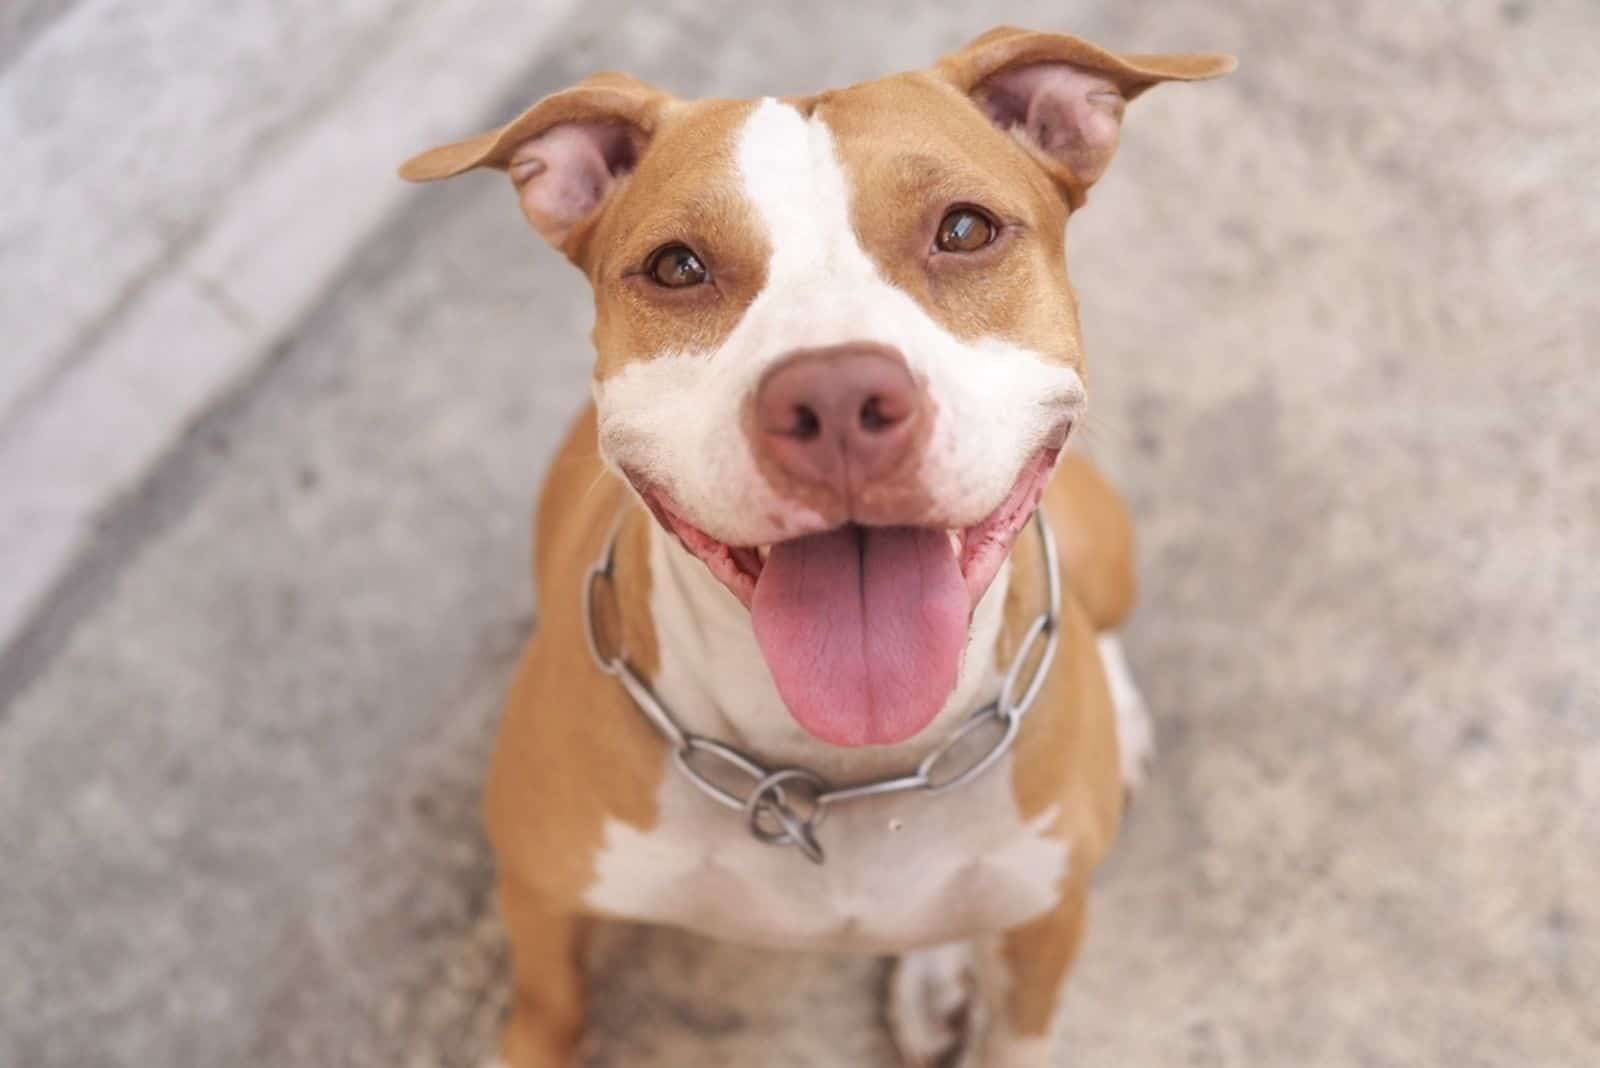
(1063,97)
(565,155)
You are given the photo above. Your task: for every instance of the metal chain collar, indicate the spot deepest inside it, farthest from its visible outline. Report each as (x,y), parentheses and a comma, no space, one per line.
(786,806)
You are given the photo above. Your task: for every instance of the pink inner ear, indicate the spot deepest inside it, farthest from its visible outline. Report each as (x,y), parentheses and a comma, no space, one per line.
(1071,114)
(563,174)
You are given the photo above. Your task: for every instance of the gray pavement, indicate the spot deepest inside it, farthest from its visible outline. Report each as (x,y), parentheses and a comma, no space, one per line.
(183,185)
(1337,315)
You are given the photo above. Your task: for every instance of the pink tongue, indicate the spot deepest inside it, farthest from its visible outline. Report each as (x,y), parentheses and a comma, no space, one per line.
(863,629)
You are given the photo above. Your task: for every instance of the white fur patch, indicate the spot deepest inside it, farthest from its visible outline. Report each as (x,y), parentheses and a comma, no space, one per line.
(900,872)
(934,1008)
(675,417)
(946,1007)
(1136,735)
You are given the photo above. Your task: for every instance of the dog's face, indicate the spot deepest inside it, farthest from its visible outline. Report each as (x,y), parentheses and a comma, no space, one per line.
(838,352)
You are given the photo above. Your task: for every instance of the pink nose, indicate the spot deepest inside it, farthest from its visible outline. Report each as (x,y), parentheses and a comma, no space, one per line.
(838,418)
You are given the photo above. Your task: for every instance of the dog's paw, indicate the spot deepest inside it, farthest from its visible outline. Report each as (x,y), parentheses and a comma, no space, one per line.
(933,1008)
(1136,735)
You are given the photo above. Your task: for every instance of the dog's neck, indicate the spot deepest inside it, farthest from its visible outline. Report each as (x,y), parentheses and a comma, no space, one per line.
(714,681)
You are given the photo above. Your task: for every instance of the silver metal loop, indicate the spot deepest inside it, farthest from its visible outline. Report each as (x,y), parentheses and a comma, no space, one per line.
(603,568)
(1052,566)
(987,717)
(880,788)
(609,665)
(645,698)
(794,828)
(772,816)
(1041,634)
(730,757)
(796,832)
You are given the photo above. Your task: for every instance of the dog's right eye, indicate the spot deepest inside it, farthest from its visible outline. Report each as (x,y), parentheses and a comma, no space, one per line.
(676,267)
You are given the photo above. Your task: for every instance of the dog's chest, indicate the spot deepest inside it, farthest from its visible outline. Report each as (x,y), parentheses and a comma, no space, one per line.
(901,871)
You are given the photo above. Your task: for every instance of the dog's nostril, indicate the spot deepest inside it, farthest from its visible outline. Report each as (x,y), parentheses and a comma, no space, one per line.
(873,416)
(807,425)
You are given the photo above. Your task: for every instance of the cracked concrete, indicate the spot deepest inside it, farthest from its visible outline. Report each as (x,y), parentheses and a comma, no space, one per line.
(1337,316)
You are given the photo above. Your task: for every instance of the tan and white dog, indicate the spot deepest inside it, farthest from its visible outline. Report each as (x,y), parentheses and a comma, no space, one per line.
(838,361)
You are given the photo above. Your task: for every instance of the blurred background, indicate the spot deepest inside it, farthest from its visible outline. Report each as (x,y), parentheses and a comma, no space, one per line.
(271,424)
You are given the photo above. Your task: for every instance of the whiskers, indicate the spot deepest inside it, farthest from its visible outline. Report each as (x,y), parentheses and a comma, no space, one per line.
(1096,429)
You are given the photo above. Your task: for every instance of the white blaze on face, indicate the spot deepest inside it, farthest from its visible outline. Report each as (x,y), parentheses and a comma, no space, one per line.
(675,418)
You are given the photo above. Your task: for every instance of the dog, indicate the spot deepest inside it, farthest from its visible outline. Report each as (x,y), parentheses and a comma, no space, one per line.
(827,652)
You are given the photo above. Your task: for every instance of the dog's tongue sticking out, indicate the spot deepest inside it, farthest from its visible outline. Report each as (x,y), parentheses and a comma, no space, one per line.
(863,629)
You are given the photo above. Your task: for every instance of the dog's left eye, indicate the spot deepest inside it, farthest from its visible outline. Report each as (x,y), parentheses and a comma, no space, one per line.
(965,230)
(676,267)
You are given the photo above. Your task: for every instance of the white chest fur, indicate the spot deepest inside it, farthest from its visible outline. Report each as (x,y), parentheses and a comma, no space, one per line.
(901,871)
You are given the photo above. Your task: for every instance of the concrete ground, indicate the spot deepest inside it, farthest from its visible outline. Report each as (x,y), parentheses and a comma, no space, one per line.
(184,183)
(1339,319)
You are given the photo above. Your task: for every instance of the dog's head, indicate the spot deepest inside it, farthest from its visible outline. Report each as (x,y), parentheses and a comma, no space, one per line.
(838,353)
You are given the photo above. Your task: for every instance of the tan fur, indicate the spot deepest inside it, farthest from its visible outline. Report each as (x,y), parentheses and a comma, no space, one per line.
(1066,753)
(545,807)
(563,716)
(547,1003)
(609,96)
(575,760)
(684,190)
(1006,48)
(1067,750)
(942,151)
(1037,957)
(1095,536)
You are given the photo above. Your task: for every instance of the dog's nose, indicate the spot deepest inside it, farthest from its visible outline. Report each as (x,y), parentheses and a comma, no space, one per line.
(838,418)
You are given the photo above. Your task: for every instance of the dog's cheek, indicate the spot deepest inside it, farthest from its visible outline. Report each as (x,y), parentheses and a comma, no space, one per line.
(671,422)
(998,403)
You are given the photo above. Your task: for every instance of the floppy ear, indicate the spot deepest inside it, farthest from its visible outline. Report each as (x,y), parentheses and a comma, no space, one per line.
(565,155)
(1063,97)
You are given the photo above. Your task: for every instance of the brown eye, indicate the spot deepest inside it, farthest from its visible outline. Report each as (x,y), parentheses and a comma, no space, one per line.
(676,267)
(965,230)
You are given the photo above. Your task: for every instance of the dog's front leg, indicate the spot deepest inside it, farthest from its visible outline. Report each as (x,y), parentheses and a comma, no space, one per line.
(993,1002)
(1023,976)
(547,940)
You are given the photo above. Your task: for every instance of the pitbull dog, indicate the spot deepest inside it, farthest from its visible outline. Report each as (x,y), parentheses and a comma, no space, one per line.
(787,551)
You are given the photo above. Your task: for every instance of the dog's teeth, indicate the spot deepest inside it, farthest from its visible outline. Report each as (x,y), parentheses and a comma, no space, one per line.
(955,541)
(763,550)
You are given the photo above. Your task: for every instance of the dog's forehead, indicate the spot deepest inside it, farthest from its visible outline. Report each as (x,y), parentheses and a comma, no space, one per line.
(911,119)
(708,154)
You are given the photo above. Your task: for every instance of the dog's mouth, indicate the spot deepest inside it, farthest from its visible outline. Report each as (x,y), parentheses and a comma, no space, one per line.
(863,627)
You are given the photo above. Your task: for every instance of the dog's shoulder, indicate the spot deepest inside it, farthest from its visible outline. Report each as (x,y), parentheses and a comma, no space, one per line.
(545,806)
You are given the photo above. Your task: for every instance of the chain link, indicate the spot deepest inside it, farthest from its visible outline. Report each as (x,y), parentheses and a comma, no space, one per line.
(786,806)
